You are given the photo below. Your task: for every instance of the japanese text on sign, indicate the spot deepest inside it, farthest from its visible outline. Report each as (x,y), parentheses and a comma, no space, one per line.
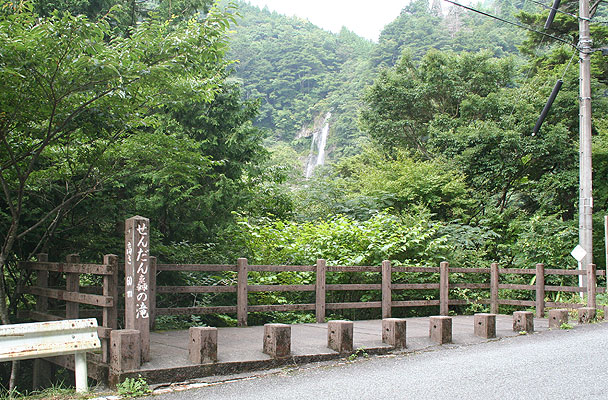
(141,260)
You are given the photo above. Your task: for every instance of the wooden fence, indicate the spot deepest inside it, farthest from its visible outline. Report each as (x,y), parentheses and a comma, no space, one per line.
(48,274)
(74,295)
(386,286)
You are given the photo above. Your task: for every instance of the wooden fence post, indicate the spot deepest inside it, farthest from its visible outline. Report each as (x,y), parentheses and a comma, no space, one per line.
(241,292)
(386,289)
(110,314)
(42,281)
(540,290)
(444,288)
(72,284)
(591,286)
(321,270)
(494,288)
(110,288)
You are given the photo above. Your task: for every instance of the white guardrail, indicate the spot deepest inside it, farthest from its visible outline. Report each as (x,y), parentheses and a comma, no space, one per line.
(55,338)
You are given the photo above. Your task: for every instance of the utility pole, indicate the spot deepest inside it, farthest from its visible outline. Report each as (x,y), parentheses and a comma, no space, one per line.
(585,183)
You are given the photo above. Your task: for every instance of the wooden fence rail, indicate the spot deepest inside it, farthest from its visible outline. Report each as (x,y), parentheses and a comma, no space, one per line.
(242,288)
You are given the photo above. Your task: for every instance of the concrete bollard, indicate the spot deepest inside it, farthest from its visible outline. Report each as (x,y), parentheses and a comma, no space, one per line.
(485,325)
(586,315)
(440,329)
(125,350)
(203,344)
(557,317)
(340,336)
(523,321)
(393,332)
(277,340)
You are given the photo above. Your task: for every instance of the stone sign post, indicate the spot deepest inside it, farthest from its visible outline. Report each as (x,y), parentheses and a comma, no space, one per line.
(137,280)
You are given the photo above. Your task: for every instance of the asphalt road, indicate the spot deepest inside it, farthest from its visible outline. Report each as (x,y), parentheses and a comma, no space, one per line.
(558,364)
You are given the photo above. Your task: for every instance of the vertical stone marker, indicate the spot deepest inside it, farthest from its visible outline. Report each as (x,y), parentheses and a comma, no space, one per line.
(277,340)
(440,329)
(523,321)
(203,344)
(485,325)
(394,332)
(137,280)
(340,336)
(557,317)
(586,315)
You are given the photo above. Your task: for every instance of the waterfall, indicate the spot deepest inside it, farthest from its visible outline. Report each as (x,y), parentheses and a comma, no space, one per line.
(319,143)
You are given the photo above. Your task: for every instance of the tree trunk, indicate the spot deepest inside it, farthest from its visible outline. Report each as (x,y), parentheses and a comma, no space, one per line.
(12,383)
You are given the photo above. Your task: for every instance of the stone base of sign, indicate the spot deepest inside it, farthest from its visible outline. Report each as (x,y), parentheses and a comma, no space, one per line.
(125,350)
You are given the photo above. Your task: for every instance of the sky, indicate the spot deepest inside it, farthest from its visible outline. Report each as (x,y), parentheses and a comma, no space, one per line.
(366,18)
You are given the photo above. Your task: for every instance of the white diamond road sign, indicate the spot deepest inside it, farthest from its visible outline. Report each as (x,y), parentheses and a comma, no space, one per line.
(579,253)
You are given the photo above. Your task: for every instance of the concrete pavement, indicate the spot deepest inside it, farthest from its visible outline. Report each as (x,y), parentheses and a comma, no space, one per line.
(240,349)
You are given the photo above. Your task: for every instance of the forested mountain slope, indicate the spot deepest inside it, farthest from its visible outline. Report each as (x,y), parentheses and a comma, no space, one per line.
(422,26)
(446,124)
(300,72)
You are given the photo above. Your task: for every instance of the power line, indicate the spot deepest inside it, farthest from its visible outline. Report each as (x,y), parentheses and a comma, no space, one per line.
(511,23)
(568,66)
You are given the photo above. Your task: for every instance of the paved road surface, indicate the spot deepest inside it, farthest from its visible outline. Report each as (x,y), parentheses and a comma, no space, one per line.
(550,365)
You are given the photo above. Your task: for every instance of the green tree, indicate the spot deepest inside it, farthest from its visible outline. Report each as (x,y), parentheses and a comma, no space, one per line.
(68,94)
(374,182)
(420,29)
(126,13)
(403,100)
(188,169)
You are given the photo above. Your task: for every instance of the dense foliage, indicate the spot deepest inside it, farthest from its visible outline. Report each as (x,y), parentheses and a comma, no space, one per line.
(103,120)
(450,130)
(423,26)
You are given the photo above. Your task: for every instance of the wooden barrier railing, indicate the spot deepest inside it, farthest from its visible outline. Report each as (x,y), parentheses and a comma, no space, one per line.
(386,286)
(389,284)
(73,294)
